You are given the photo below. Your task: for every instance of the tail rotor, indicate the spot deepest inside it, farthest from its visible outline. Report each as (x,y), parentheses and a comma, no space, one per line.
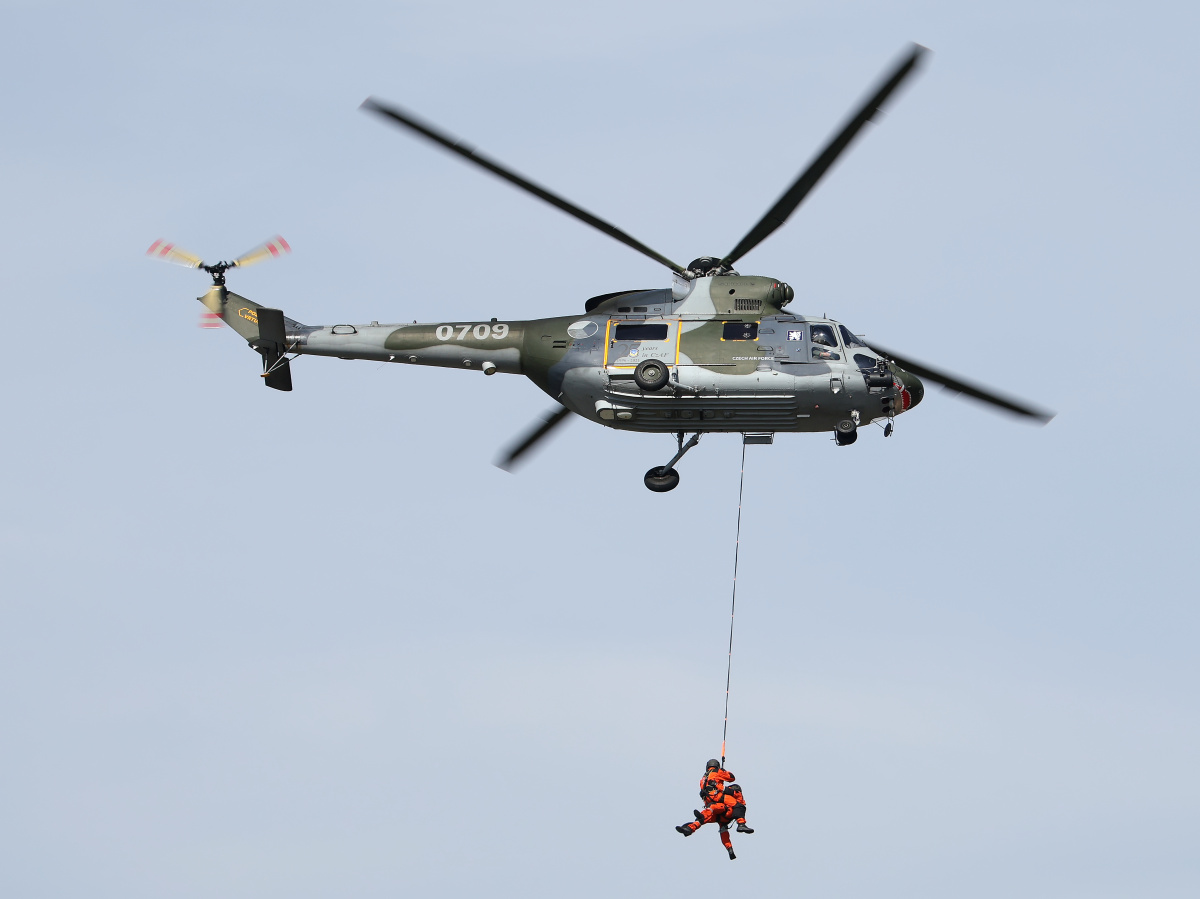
(264,329)
(169,252)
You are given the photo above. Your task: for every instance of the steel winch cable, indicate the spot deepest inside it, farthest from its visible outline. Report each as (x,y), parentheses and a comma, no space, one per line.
(737,543)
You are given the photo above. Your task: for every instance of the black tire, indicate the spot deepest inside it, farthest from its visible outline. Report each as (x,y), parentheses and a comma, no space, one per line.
(844,438)
(660,480)
(651,375)
(846,426)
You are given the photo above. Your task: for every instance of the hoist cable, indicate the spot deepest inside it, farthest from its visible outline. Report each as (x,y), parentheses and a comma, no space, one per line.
(737,543)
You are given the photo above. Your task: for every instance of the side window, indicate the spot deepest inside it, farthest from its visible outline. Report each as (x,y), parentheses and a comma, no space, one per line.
(640,332)
(824,342)
(863,362)
(740,331)
(850,340)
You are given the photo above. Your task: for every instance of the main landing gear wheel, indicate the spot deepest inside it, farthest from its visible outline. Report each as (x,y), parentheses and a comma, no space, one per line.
(661,479)
(651,375)
(846,432)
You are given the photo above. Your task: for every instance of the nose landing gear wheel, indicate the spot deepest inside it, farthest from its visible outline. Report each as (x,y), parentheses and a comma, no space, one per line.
(661,479)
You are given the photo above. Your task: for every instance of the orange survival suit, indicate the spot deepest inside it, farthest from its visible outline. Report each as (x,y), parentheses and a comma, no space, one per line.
(723,804)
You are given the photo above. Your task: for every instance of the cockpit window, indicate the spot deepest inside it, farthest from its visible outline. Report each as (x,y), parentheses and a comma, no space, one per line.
(864,362)
(740,331)
(823,335)
(850,339)
(824,342)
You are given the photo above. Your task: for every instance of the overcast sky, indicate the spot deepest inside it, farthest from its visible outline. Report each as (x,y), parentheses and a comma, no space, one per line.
(256,644)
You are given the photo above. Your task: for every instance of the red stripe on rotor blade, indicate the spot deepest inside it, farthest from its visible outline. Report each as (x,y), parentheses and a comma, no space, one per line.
(153,247)
(283,243)
(272,249)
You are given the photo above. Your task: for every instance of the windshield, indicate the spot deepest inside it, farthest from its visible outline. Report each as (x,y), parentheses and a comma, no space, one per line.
(851,340)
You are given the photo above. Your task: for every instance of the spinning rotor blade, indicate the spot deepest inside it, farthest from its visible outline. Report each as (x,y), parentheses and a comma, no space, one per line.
(550,421)
(168,252)
(408,120)
(794,196)
(276,246)
(960,386)
(272,249)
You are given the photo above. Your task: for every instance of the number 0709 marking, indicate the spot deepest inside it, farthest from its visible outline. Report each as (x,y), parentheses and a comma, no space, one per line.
(481,331)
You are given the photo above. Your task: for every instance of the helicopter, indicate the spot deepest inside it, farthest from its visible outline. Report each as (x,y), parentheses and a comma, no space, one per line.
(716,352)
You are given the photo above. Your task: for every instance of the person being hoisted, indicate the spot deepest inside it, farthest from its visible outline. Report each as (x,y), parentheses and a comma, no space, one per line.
(723,804)
(713,781)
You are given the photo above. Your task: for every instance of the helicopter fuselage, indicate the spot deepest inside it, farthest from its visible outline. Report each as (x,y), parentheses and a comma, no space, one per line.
(730,357)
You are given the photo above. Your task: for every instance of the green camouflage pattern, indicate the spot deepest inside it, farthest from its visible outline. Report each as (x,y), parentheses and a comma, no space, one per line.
(770,382)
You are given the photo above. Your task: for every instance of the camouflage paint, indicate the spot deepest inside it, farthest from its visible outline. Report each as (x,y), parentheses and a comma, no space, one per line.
(769,383)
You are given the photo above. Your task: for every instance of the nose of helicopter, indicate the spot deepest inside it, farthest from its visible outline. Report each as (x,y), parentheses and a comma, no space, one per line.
(913,390)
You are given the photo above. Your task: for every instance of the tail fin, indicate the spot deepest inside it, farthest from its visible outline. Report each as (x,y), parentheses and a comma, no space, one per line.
(265,329)
(272,346)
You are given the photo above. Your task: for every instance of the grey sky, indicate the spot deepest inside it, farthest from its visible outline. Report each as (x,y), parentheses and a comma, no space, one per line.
(310,645)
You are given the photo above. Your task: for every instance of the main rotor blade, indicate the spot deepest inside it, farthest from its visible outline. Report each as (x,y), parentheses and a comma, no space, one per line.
(549,422)
(958,385)
(408,120)
(794,196)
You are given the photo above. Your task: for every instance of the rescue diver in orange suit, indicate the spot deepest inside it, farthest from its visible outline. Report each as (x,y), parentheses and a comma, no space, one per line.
(723,804)
(715,777)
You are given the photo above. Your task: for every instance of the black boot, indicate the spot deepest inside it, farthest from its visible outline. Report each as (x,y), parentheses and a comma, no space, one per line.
(699,815)
(685,830)
(731,855)
(743,827)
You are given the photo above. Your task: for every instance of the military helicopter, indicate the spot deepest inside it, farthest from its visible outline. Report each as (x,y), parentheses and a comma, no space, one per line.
(717,352)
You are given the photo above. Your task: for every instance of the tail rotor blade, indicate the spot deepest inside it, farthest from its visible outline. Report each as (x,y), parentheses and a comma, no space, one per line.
(272,249)
(549,422)
(168,252)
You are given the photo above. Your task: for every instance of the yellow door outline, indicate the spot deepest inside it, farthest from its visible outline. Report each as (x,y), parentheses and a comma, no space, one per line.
(608,340)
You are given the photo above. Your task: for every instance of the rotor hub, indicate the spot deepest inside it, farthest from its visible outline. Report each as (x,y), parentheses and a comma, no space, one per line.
(218,271)
(707,266)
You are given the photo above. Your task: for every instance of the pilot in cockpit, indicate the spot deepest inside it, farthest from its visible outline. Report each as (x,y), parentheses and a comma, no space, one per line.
(822,336)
